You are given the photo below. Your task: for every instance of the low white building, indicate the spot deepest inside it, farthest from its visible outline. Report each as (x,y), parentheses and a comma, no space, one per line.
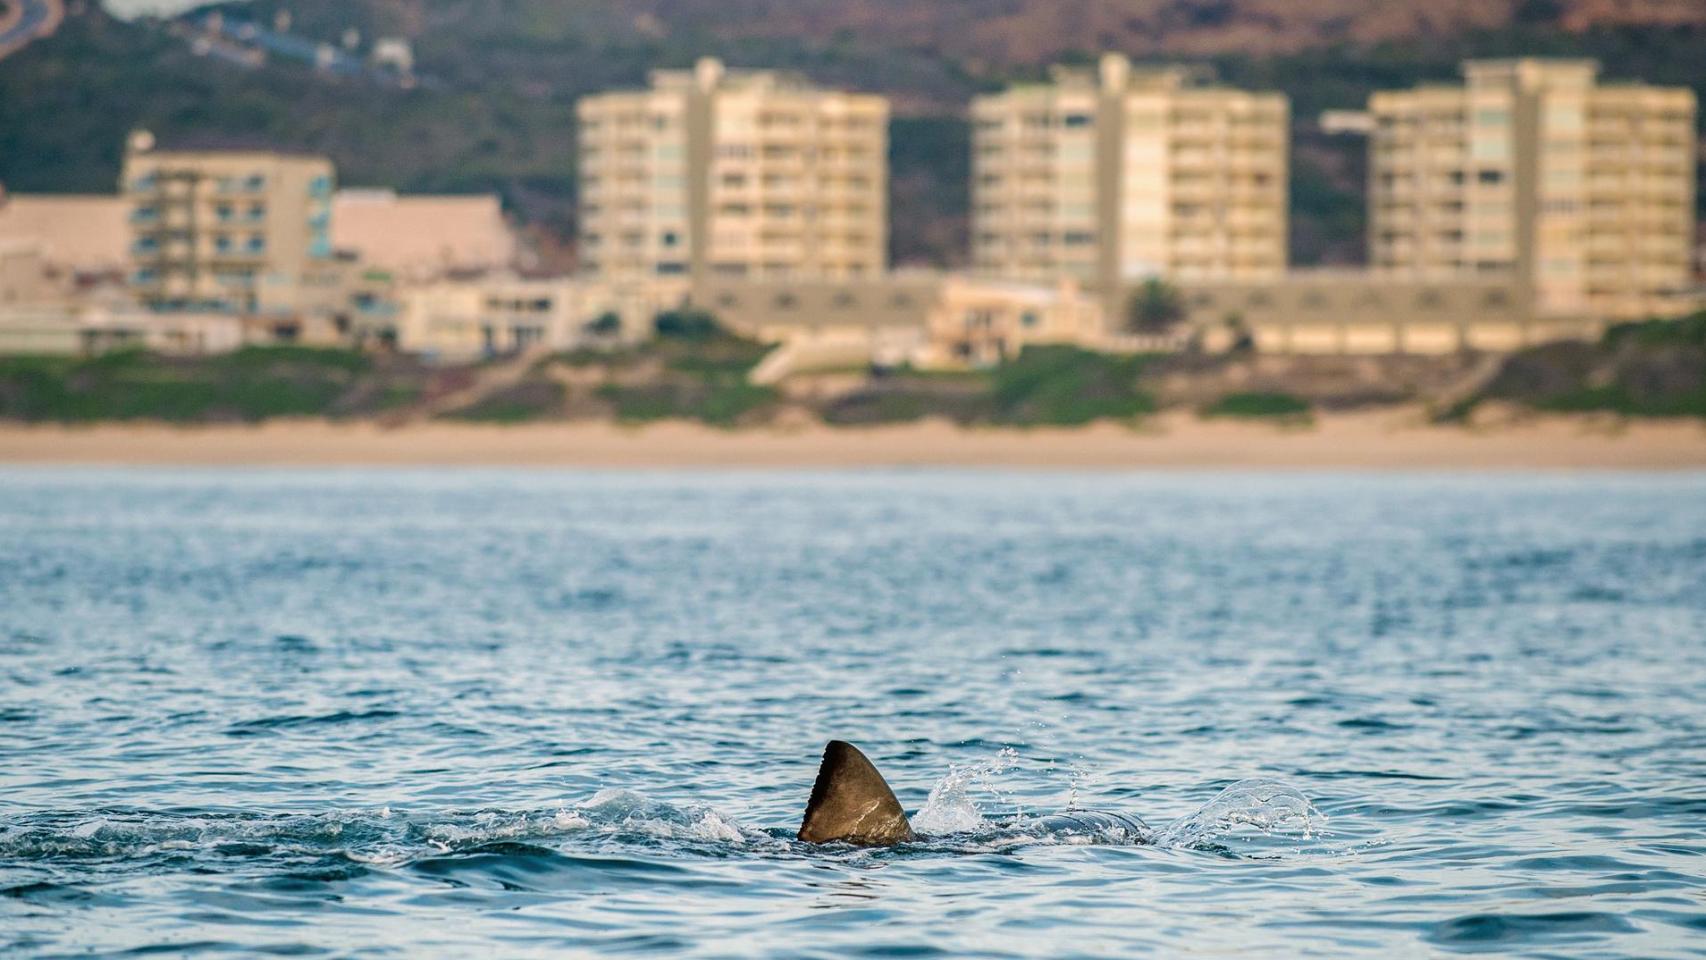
(68,330)
(497,316)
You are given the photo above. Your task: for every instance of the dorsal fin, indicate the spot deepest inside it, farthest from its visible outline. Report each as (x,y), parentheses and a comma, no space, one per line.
(852,803)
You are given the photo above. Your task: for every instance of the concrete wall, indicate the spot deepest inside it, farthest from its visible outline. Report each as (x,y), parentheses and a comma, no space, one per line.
(1359,313)
(783,310)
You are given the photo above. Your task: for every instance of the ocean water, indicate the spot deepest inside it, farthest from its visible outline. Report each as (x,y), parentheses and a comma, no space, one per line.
(419,714)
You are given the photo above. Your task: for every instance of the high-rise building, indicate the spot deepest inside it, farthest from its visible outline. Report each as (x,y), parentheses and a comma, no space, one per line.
(209,227)
(730,173)
(1115,175)
(1582,191)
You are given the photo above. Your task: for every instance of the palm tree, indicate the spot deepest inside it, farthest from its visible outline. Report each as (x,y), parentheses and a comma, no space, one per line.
(1155,307)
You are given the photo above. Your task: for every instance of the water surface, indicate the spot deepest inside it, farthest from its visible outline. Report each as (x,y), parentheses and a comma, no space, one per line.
(411,714)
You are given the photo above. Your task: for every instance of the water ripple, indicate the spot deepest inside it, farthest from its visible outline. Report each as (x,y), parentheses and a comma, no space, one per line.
(483,713)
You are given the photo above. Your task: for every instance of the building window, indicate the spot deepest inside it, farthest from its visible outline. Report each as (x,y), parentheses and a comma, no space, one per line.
(222,243)
(257,243)
(1491,176)
(1073,121)
(671,268)
(670,238)
(786,301)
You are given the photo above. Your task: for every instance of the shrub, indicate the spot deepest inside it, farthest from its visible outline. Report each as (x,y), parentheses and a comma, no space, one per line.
(1259,405)
(1068,386)
(687,324)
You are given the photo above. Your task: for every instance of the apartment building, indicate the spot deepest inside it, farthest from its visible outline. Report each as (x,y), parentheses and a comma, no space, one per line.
(1109,176)
(208,227)
(1581,190)
(718,173)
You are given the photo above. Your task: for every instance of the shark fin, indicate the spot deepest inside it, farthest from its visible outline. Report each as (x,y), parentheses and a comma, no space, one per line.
(852,803)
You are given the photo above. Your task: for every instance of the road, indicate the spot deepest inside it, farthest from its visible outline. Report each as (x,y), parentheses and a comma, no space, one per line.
(26,20)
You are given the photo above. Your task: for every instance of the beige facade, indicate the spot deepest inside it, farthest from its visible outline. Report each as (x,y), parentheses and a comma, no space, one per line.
(423,237)
(342,295)
(984,322)
(1583,191)
(911,317)
(780,310)
(24,276)
(735,175)
(1108,177)
(75,233)
(208,227)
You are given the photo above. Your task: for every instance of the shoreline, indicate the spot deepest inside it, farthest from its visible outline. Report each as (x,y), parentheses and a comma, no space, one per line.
(1377,441)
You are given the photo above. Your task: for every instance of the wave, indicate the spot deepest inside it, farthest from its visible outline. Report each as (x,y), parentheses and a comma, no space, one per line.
(380,837)
(1270,808)
(969,808)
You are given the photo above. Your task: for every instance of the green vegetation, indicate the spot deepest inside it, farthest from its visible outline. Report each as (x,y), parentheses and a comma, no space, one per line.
(687,324)
(718,401)
(607,324)
(1043,386)
(529,400)
(1652,369)
(1684,332)
(1155,307)
(701,374)
(1067,386)
(251,385)
(1279,406)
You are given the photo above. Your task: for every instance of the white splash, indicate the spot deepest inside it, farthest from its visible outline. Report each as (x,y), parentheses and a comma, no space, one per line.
(1268,806)
(951,806)
(629,812)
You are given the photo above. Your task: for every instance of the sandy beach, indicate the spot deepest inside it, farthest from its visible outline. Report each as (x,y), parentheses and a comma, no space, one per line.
(1384,440)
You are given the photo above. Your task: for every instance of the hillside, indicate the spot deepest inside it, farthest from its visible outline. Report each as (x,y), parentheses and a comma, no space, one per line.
(1653,369)
(697,373)
(999,32)
(495,109)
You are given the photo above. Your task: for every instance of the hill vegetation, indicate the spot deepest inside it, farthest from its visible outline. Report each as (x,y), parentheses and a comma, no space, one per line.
(495,109)
(698,371)
(1652,369)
